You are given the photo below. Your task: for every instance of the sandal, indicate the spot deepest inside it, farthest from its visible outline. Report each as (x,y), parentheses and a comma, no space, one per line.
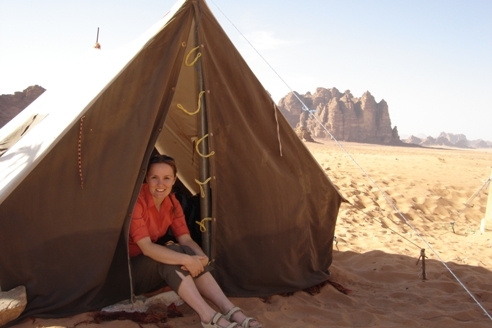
(214,322)
(245,323)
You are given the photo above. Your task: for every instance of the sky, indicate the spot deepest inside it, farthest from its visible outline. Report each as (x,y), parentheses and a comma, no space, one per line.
(430,60)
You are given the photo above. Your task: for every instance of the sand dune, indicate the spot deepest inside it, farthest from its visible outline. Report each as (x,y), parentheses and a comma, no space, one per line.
(376,252)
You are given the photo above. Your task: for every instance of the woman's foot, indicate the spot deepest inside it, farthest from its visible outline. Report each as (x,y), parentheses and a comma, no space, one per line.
(218,321)
(236,315)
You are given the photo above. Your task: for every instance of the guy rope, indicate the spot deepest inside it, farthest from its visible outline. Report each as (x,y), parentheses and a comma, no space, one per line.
(311,113)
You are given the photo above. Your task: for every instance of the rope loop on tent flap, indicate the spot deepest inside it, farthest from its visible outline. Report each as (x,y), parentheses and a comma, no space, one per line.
(198,151)
(80,152)
(275,108)
(201,223)
(202,192)
(198,55)
(199,105)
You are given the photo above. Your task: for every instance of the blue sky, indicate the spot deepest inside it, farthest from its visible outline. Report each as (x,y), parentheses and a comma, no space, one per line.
(431,60)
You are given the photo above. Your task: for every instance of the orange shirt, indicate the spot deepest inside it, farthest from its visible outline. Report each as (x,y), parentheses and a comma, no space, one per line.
(147,221)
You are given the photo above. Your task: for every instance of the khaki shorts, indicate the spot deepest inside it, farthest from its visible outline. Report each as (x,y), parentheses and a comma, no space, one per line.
(150,275)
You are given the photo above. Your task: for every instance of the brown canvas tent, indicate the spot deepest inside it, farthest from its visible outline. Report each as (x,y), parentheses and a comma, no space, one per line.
(68,185)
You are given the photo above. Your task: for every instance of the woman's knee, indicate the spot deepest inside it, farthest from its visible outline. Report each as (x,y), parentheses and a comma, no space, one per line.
(181,249)
(187,250)
(180,275)
(172,274)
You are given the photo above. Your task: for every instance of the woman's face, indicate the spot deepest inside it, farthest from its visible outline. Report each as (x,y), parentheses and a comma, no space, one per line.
(160,179)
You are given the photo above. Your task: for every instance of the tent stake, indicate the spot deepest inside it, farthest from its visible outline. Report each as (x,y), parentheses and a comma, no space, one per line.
(422,256)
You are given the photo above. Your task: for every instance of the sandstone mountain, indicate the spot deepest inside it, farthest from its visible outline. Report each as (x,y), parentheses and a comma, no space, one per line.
(11,105)
(452,138)
(449,140)
(346,117)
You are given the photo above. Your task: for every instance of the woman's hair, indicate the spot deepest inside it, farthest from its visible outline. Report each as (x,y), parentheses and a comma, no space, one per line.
(163,159)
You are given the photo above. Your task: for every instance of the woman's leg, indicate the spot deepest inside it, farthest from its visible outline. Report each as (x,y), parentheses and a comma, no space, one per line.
(149,274)
(189,292)
(145,275)
(210,289)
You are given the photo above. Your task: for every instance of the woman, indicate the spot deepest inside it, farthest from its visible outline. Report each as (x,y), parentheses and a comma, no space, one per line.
(182,266)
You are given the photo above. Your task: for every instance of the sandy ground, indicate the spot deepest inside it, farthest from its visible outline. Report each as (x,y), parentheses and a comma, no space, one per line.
(377,251)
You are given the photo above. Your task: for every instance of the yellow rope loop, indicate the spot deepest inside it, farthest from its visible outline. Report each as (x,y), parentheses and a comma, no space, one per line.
(201,223)
(198,55)
(202,192)
(199,105)
(198,143)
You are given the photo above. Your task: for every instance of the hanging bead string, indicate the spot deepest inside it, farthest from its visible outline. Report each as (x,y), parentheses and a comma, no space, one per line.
(80,152)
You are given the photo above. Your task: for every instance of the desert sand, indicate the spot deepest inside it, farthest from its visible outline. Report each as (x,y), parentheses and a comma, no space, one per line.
(377,251)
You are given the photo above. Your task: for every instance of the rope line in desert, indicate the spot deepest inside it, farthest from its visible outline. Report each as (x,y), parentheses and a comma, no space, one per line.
(385,225)
(305,108)
(470,200)
(311,113)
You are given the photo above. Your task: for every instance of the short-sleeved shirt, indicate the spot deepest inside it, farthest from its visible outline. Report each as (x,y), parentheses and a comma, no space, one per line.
(147,221)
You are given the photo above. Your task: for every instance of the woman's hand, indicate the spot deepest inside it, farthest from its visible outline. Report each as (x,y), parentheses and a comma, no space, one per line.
(185,240)
(204,260)
(194,264)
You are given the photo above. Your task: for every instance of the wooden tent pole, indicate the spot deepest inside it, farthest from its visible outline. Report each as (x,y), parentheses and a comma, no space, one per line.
(488,211)
(205,204)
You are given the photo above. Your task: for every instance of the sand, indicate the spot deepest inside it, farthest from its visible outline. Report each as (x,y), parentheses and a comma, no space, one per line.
(377,251)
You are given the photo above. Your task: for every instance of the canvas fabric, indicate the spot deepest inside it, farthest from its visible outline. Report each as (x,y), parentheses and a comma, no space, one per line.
(273,208)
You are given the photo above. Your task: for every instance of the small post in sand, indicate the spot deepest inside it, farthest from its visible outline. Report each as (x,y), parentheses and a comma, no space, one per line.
(422,256)
(488,211)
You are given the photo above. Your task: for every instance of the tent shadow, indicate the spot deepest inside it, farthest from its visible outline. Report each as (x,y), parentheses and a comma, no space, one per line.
(386,291)
(381,281)
(27,156)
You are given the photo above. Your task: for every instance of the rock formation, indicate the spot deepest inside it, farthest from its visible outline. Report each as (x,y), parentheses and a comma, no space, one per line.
(449,140)
(452,138)
(346,117)
(480,144)
(11,105)
(413,140)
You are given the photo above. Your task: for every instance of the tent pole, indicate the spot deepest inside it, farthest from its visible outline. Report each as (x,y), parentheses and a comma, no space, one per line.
(205,204)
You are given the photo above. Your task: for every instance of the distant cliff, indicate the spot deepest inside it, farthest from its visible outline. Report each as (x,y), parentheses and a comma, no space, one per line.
(11,105)
(346,117)
(449,140)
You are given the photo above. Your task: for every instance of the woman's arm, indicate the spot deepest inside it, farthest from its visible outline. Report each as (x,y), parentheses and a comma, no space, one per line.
(165,255)
(186,240)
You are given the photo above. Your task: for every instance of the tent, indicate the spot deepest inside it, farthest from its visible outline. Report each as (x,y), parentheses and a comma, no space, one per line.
(70,176)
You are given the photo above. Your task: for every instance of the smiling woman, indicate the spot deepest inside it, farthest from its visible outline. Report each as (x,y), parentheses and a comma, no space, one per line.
(184,266)
(161,178)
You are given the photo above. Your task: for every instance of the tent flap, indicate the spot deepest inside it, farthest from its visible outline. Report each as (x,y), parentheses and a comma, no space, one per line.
(64,228)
